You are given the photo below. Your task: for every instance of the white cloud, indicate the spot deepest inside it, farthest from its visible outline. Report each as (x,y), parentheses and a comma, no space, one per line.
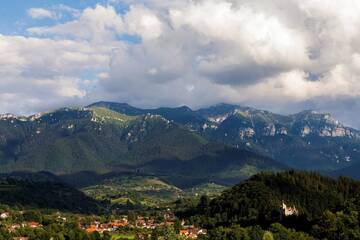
(41,13)
(143,22)
(62,8)
(40,73)
(97,24)
(280,54)
(245,45)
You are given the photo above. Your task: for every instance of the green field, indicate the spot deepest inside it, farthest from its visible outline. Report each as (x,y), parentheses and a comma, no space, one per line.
(135,190)
(146,191)
(123,237)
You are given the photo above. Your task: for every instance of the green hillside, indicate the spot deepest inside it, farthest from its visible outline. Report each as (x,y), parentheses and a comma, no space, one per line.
(311,193)
(322,207)
(140,192)
(100,140)
(134,191)
(45,191)
(306,140)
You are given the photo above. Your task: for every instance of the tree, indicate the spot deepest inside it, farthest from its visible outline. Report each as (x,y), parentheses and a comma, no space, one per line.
(268,236)
(177,226)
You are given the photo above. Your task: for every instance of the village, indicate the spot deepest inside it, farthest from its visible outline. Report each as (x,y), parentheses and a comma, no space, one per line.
(13,227)
(140,225)
(186,231)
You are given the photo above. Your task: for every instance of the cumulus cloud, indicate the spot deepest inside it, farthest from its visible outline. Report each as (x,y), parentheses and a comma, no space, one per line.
(45,72)
(143,22)
(281,54)
(98,24)
(249,47)
(245,45)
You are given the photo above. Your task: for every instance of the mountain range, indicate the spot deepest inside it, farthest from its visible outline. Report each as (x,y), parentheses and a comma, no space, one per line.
(307,140)
(224,143)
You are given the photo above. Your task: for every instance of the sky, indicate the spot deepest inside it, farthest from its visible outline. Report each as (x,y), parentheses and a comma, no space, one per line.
(282,55)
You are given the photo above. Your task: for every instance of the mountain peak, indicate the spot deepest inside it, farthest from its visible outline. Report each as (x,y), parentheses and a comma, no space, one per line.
(185,108)
(307,139)
(315,116)
(107,103)
(226,105)
(309,112)
(218,109)
(123,108)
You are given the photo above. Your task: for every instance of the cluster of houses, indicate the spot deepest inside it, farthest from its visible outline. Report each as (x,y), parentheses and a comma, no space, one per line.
(4,215)
(187,231)
(16,226)
(109,227)
(26,224)
(192,232)
(140,222)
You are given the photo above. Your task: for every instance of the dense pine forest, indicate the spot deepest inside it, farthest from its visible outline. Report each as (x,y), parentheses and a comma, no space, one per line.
(317,207)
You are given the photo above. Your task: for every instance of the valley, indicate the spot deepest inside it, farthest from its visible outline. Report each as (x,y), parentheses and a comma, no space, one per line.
(110,161)
(179,120)
(285,205)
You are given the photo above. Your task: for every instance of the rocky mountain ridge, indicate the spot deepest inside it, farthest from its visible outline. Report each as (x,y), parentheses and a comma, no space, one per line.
(307,140)
(98,139)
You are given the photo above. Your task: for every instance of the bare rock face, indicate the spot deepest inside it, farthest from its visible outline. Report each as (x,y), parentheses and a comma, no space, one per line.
(246,133)
(307,139)
(282,131)
(270,130)
(305,131)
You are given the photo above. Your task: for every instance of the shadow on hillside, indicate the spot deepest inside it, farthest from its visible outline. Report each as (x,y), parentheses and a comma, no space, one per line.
(45,191)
